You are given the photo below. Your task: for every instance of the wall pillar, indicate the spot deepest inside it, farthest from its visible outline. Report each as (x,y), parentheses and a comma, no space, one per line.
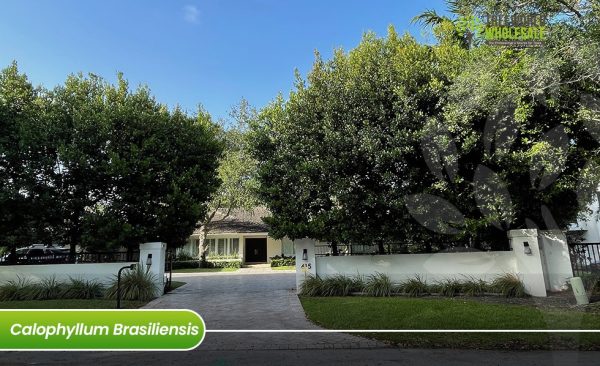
(305,248)
(557,259)
(529,266)
(158,253)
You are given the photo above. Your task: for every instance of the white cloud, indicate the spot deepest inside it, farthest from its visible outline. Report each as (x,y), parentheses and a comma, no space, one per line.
(191,14)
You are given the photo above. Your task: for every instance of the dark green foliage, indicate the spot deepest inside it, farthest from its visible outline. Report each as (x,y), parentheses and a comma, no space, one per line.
(186,264)
(131,170)
(231,263)
(137,284)
(282,261)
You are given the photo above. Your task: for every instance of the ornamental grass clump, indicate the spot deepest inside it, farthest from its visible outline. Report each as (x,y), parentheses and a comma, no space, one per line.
(136,284)
(82,289)
(14,290)
(450,287)
(509,285)
(379,285)
(312,286)
(337,285)
(474,287)
(415,287)
(47,289)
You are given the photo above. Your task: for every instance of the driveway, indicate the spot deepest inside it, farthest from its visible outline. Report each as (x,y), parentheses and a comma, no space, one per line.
(252,300)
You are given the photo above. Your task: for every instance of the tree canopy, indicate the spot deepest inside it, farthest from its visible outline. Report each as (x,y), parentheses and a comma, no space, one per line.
(425,144)
(98,165)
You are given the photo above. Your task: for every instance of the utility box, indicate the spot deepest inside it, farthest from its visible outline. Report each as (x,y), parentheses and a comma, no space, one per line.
(579,291)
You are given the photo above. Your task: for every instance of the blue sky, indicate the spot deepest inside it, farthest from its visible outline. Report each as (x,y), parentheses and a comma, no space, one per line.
(212,52)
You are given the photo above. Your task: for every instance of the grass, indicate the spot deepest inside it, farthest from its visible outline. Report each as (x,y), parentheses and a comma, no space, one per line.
(69,304)
(455,313)
(197,270)
(283,268)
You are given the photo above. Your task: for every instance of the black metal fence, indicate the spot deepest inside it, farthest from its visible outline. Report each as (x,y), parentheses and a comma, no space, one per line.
(585,258)
(48,257)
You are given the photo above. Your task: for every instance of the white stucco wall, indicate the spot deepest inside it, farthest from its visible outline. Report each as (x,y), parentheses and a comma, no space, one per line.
(545,267)
(431,267)
(101,272)
(557,261)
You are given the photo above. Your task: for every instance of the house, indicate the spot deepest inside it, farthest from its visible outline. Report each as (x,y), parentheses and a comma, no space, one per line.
(239,234)
(588,227)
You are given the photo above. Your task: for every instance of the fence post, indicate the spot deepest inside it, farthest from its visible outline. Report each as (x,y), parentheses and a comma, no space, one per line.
(306,263)
(157,252)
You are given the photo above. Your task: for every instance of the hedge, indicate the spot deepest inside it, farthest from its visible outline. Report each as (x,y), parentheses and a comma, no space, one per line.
(282,261)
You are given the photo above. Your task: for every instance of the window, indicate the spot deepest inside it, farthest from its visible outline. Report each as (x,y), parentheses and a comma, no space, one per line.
(234,247)
(221,247)
(210,244)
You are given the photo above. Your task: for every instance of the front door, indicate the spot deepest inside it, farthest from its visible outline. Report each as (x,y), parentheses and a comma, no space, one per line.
(256,250)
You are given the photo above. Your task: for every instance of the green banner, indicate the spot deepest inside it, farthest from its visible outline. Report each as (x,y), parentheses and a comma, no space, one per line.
(63,329)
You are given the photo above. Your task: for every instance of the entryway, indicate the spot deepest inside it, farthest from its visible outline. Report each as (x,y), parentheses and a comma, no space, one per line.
(255,250)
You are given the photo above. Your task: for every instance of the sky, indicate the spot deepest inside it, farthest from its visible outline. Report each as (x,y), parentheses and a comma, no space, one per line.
(212,52)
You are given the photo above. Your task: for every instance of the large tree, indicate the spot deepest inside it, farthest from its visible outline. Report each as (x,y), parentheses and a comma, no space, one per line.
(99,165)
(399,141)
(237,169)
(25,199)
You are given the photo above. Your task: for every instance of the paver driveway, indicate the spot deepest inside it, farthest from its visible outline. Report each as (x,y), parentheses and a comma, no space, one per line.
(252,300)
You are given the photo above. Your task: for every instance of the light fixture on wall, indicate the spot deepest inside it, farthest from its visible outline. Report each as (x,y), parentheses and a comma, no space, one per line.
(304,254)
(148,261)
(526,248)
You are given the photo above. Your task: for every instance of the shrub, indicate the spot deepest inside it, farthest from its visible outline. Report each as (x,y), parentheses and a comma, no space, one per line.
(337,285)
(415,287)
(15,290)
(136,284)
(47,289)
(216,257)
(282,261)
(474,287)
(235,263)
(312,286)
(591,283)
(82,289)
(509,285)
(450,287)
(186,264)
(378,284)
(184,257)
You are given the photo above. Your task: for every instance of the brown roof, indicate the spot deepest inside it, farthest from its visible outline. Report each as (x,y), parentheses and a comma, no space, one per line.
(238,221)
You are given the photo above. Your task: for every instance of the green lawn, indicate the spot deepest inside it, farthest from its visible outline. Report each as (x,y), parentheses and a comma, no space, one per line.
(196,270)
(70,304)
(283,268)
(407,313)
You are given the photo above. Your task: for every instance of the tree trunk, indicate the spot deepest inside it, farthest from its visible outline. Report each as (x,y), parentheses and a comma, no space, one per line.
(334,249)
(381,246)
